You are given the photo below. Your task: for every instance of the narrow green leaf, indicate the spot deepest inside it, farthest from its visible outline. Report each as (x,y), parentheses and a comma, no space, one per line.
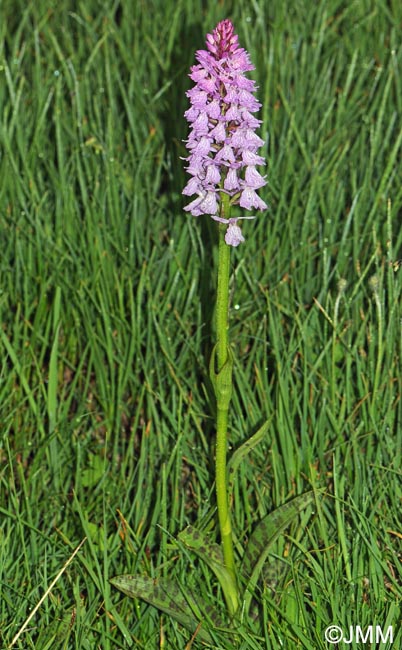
(212,555)
(167,596)
(53,389)
(53,363)
(265,534)
(20,372)
(239,455)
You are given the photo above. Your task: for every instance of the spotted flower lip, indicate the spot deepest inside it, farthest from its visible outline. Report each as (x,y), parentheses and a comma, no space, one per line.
(223,142)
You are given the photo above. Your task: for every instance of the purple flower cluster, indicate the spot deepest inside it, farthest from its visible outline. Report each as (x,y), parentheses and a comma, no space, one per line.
(222,142)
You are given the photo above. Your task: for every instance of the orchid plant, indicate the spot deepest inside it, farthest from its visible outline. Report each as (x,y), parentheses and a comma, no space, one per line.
(222,162)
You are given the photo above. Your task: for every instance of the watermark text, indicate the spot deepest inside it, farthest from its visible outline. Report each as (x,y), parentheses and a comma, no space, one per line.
(356,634)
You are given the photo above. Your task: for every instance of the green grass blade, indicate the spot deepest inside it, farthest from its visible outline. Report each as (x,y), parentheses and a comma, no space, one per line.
(22,377)
(52,390)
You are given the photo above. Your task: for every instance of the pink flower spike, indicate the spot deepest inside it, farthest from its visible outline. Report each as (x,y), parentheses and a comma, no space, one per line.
(222,142)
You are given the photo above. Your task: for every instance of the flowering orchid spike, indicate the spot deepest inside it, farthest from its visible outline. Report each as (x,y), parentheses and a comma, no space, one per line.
(222,142)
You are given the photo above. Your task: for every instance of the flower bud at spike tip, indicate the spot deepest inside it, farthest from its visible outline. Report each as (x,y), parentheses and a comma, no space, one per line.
(222,142)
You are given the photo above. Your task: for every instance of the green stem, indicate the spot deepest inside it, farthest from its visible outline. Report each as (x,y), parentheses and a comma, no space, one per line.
(221,490)
(222,299)
(223,390)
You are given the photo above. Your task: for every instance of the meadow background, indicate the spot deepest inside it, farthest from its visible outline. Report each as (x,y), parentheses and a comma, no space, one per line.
(106,308)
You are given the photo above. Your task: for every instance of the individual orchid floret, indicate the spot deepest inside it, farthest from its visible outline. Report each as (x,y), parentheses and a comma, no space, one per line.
(222,142)
(234,235)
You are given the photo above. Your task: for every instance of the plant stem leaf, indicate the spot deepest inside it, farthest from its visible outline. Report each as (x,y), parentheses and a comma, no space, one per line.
(239,455)
(265,534)
(212,555)
(167,596)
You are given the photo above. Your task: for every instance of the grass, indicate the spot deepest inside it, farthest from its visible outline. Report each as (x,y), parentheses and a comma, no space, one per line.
(106,412)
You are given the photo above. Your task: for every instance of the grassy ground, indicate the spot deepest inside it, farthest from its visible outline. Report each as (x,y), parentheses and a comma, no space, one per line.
(106,414)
